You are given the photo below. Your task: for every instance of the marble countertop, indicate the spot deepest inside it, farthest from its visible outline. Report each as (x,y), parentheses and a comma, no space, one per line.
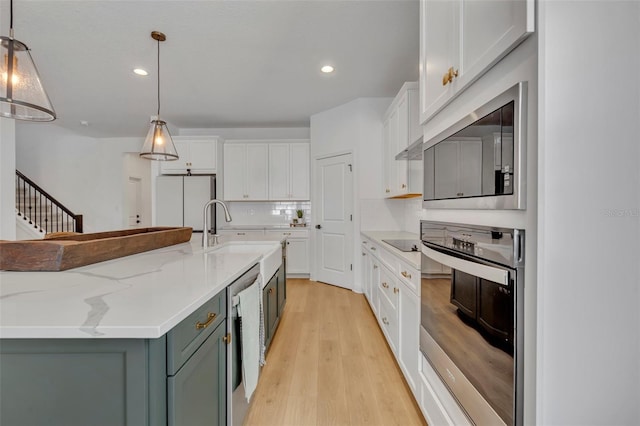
(138,296)
(413,258)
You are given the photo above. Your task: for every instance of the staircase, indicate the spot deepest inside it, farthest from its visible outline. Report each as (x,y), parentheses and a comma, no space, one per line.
(41,211)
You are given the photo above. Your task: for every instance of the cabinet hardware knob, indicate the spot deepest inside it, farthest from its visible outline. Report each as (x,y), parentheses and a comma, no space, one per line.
(270,291)
(226,338)
(375,266)
(403,186)
(387,191)
(373,248)
(449,76)
(364,254)
(385,285)
(460,194)
(405,274)
(210,318)
(396,290)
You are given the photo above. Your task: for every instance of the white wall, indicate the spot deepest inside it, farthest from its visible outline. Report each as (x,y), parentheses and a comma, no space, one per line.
(354,127)
(520,65)
(589,213)
(7,179)
(83,173)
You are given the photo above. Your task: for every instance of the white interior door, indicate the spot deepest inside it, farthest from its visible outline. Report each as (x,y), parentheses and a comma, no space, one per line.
(134,202)
(334,221)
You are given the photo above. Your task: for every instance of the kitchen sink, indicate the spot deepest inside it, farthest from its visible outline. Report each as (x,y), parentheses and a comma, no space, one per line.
(271,254)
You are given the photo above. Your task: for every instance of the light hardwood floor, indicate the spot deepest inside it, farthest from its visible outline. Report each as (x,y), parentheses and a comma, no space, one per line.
(329,364)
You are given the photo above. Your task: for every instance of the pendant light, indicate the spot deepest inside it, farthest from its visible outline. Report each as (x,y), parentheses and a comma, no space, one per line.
(22,96)
(158,145)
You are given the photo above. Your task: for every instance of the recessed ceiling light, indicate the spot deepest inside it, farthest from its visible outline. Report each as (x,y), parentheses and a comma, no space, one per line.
(140,71)
(327,69)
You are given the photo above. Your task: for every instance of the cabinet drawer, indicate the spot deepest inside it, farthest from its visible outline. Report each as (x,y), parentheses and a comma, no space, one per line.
(186,337)
(297,233)
(241,235)
(389,322)
(388,287)
(410,276)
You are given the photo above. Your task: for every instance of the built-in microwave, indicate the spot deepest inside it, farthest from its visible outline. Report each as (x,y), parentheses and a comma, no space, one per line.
(480,162)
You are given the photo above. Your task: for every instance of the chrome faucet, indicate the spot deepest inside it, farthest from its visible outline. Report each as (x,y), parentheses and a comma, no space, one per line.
(205,226)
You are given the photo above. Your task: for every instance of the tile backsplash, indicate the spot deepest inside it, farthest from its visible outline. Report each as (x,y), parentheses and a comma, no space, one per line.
(267,212)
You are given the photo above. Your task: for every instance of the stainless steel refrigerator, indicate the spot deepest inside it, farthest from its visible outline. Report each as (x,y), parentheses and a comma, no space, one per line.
(180,200)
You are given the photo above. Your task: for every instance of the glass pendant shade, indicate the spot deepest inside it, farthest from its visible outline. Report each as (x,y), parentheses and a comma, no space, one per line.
(22,95)
(158,145)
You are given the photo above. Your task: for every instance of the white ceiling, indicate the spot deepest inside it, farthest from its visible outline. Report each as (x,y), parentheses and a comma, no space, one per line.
(231,63)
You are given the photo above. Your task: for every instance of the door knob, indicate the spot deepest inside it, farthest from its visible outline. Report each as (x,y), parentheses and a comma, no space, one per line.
(318,226)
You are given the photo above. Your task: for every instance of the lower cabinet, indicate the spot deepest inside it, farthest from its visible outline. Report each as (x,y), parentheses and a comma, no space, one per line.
(409,335)
(274,297)
(392,287)
(177,379)
(198,390)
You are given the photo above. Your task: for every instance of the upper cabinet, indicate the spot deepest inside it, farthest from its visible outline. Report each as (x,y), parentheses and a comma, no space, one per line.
(198,155)
(245,171)
(401,128)
(461,39)
(289,171)
(266,170)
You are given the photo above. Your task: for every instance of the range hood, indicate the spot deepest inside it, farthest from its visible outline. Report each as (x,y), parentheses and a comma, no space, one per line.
(413,151)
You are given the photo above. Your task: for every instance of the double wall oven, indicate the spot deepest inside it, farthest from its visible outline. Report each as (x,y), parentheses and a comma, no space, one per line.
(472,316)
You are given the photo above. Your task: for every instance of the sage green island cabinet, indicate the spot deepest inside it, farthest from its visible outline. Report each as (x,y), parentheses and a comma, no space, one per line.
(178,379)
(274,297)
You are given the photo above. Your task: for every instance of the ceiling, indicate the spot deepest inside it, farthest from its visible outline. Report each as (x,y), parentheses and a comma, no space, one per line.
(231,63)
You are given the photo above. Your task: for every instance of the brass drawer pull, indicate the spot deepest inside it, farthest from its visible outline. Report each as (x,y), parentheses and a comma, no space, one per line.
(210,318)
(396,290)
(373,248)
(405,274)
(375,266)
(385,285)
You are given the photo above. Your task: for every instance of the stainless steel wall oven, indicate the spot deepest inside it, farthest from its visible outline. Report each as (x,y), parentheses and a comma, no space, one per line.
(472,316)
(480,162)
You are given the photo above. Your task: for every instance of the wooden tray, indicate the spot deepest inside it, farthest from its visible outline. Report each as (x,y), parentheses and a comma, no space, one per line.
(71,251)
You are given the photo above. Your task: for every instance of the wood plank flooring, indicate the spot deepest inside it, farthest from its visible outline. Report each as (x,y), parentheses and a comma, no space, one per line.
(329,364)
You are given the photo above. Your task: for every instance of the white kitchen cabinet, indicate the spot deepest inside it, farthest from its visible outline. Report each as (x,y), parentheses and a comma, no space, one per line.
(289,171)
(246,171)
(408,334)
(395,284)
(198,155)
(462,39)
(297,250)
(388,315)
(297,256)
(241,234)
(400,129)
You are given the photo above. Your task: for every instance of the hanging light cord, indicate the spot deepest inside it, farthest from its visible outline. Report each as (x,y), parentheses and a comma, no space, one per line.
(158,78)
(11,19)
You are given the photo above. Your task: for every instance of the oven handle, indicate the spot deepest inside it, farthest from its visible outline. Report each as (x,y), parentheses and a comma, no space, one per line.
(490,273)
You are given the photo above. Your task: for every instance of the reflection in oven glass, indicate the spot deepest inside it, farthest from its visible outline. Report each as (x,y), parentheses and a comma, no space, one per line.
(479,350)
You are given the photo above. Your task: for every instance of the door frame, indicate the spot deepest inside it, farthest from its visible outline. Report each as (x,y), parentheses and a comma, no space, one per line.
(313,249)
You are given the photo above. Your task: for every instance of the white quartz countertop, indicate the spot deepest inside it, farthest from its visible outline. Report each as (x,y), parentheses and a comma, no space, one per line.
(413,258)
(139,296)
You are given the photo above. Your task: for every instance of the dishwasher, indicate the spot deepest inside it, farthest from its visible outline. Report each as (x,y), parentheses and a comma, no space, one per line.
(237,405)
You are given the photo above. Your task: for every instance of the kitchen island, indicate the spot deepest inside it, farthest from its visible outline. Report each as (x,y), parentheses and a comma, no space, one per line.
(134,340)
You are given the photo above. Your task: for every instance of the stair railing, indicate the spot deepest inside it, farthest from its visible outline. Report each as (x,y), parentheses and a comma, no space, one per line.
(39,208)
